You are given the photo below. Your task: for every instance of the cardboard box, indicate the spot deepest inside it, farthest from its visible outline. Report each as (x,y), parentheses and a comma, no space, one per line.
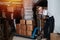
(22,21)
(30,27)
(23,27)
(23,32)
(20,27)
(29,22)
(20,31)
(29,33)
(10,9)
(54,36)
(17,31)
(17,28)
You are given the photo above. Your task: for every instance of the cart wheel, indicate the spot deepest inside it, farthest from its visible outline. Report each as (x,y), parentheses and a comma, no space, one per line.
(39,38)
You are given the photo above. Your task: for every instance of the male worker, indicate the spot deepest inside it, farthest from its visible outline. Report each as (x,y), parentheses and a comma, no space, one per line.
(41,13)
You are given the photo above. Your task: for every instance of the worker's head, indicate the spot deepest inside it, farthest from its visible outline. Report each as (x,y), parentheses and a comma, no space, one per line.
(42,3)
(42,6)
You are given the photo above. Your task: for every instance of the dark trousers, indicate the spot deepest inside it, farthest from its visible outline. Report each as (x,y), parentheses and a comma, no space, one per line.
(48,28)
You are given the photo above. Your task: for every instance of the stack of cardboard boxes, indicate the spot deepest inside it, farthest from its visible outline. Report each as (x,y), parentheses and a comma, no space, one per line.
(30,26)
(21,28)
(17,28)
(25,27)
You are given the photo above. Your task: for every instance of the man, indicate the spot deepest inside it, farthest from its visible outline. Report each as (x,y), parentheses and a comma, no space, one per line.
(41,13)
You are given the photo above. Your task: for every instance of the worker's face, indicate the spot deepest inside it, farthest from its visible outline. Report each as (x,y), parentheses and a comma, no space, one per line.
(40,9)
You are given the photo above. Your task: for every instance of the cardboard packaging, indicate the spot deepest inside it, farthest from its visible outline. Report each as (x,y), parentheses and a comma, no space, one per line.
(20,32)
(20,27)
(23,27)
(29,27)
(22,21)
(17,28)
(29,22)
(54,36)
(29,33)
(23,32)
(10,9)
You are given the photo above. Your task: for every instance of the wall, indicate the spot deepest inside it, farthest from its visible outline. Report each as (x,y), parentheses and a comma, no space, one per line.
(28,5)
(54,8)
(28,13)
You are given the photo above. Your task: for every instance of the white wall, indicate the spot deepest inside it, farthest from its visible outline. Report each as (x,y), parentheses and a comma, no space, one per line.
(54,8)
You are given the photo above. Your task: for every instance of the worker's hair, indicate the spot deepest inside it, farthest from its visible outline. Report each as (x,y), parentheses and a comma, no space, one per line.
(42,3)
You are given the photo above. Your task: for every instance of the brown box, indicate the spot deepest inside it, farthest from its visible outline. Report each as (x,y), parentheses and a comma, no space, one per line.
(20,27)
(30,27)
(23,27)
(17,31)
(17,28)
(22,21)
(29,22)
(29,33)
(54,36)
(23,32)
(20,31)
(10,9)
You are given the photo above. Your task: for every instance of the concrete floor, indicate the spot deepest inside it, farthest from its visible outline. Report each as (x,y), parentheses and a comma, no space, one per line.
(21,38)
